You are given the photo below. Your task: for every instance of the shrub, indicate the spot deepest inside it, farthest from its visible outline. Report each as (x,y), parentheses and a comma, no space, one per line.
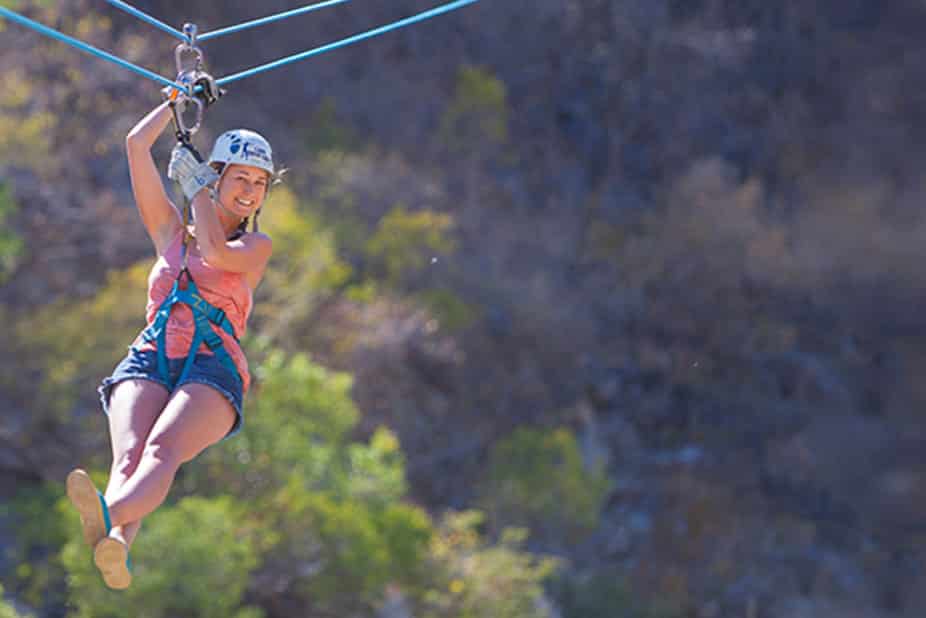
(473,578)
(537,479)
(7,610)
(193,560)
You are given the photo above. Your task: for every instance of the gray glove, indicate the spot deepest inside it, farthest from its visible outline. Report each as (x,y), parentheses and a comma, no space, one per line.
(192,174)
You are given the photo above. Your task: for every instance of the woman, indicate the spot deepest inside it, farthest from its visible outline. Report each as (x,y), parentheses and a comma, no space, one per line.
(163,410)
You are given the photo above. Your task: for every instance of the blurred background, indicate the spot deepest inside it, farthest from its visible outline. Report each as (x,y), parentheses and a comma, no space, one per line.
(578,309)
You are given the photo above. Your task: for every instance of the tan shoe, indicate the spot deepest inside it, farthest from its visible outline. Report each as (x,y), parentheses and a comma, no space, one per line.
(112,558)
(94,516)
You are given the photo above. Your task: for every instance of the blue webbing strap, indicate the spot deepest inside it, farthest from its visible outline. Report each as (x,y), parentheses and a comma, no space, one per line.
(204,314)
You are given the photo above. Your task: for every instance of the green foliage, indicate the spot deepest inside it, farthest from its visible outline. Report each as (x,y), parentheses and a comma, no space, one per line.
(359,546)
(537,478)
(7,610)
(9,4)
(11,245)
(320,497)
(24,132)
(294,426)
(18,4)
(38,514)
(304,270)
(326,133)
(193,559)
(75,344)
(331,513)
(451,311)
(473,578)
(297,426)
(478,113)
(602,595)
(406,241)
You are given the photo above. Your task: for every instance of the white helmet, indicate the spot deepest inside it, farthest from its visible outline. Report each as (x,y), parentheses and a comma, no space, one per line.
(243,147)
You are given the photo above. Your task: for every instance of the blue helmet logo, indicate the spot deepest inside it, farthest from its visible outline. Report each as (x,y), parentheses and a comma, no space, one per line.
(235,144)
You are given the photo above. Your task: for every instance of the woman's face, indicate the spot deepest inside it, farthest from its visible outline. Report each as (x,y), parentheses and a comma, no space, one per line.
(243,189)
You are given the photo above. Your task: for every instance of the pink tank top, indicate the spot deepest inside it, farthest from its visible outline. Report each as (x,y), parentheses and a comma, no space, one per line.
(229,291)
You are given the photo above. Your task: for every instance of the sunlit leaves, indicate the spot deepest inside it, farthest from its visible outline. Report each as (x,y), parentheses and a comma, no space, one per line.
(7,610)
(24,132)
(198,550)
(348,550)
(11,245)
(304,269)
(538,479)
(79,342)
(406,241)
(479,578)
(479,111)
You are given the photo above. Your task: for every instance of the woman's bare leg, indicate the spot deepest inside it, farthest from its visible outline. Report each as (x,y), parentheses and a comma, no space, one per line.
(195,417)
(134,406)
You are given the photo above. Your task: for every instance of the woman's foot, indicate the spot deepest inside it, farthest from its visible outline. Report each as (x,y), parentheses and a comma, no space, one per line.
(112,558)
(94,516)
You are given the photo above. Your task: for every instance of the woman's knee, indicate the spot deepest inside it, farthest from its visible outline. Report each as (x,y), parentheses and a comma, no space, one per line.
(163,450)
(126,462)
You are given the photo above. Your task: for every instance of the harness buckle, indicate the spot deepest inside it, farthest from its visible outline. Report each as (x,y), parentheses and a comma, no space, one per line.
(216,316)
(212,339)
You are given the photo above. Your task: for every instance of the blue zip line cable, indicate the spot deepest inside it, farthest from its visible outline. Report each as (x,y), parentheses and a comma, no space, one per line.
(267,20)
(87,48)
(151,20)
(4,12)
(358,37)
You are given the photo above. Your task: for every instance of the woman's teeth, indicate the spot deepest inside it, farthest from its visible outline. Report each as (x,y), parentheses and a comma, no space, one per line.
(245,203)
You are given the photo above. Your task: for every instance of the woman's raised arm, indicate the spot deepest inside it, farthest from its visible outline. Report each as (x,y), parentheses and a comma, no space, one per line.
(158,213)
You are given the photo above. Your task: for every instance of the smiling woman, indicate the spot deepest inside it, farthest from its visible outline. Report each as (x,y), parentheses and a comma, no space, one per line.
(245,158)
(180,388)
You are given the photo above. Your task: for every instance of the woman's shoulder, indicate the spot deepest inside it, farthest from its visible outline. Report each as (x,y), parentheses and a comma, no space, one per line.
(256,239)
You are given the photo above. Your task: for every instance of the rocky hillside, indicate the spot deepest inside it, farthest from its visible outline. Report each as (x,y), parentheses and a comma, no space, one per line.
(687,233)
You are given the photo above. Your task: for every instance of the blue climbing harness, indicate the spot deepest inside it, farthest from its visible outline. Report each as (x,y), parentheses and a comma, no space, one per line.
(204,314)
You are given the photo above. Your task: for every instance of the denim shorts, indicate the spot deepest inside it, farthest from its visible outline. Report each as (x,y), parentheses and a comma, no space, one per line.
(206,369)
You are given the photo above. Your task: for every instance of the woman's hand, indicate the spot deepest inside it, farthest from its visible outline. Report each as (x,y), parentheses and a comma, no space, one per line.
(187,169)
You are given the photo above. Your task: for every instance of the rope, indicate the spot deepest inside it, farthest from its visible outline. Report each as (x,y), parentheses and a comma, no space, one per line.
(4,12)
(267,20)
(343,42)
(151,20)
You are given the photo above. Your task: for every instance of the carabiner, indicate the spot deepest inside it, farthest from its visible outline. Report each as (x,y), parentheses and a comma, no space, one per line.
(184,131)
(181,123)
(197,53)
(192,76)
